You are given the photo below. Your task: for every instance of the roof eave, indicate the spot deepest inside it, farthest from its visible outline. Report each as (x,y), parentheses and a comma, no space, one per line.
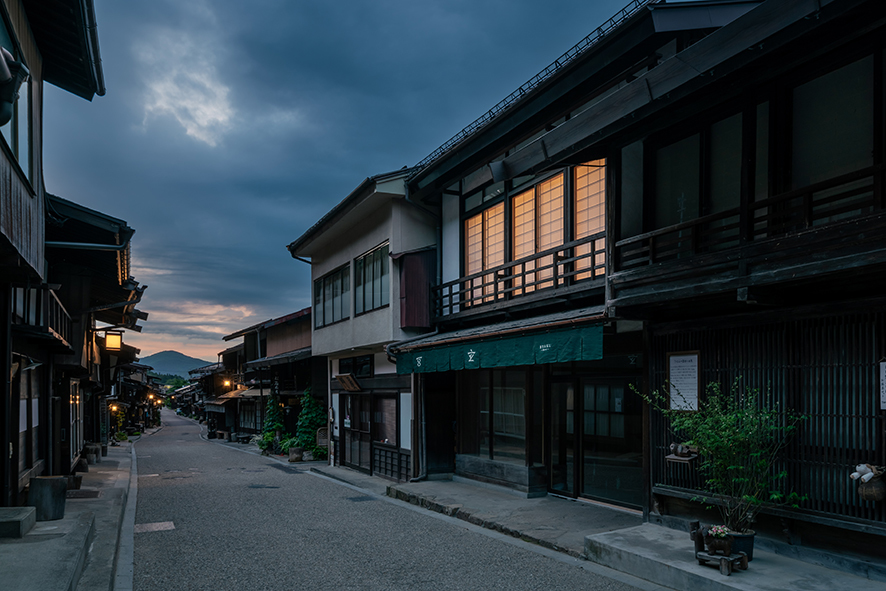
(71,61)
(363,191)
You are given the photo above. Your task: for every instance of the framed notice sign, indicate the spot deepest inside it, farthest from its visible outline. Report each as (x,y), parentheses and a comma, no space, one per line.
(882,385)
(684,380)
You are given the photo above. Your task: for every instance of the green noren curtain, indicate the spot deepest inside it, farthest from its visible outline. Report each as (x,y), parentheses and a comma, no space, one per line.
(557,346)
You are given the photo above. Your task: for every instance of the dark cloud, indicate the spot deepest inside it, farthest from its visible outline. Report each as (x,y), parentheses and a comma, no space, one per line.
(231,127)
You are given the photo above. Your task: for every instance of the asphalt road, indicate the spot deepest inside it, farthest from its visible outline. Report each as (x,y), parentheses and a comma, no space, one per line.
(210,517)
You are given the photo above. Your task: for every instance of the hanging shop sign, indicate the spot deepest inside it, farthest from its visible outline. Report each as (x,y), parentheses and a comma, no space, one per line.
(574,344)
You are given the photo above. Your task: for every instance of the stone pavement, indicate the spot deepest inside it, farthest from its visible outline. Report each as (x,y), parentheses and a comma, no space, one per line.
(78,551)
(90,549)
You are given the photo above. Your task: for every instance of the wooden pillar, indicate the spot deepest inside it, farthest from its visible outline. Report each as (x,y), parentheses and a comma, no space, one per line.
(7,470)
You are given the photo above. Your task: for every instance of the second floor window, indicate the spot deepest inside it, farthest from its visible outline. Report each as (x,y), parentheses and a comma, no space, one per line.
(372,280)
(332,294)
(484,246)
(538,226)
(565,207)
(17,133)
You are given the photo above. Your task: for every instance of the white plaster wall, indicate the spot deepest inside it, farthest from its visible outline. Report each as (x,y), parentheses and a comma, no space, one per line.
(451,238)
(406,228)
(343,247)
(382,365)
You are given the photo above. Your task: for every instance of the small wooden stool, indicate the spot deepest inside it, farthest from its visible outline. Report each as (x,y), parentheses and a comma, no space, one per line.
(727,563)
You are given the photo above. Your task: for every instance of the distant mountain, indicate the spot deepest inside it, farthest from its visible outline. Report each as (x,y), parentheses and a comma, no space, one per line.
(173,363)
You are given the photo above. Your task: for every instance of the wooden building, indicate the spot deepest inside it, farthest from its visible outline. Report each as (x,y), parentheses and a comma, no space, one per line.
(55,43)
(274,358)
(701,180)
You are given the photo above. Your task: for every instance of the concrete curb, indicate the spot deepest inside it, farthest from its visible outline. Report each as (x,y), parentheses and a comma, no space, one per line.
(459,512)
(85,526)
(123,565)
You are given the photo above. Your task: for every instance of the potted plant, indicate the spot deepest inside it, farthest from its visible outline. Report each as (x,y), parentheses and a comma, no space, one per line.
(739,436)
(719,539)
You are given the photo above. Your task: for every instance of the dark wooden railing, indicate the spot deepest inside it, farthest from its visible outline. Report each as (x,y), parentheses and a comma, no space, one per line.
(836,199)
(57,318)
(565,265)
(40,308)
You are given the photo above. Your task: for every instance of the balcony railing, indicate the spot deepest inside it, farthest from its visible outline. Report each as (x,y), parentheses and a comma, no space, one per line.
(58,320)
(847,196)
(577,264)
(40,309)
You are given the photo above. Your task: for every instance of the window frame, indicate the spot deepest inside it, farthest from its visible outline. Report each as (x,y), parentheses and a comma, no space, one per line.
(361,286)
(506,199)
(351,364)
(14,143)
(344,272)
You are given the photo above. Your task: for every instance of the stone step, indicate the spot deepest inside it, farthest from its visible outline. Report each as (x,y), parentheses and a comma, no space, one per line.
(15,522)
(667,557)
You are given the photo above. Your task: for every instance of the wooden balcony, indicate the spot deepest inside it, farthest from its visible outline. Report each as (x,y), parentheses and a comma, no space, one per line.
(39,314)
(569,268)
(819,228)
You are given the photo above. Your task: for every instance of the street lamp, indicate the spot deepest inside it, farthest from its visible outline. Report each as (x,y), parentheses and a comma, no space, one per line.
(113,340)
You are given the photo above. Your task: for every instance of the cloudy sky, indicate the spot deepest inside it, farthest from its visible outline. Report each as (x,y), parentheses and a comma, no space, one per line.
(230,127)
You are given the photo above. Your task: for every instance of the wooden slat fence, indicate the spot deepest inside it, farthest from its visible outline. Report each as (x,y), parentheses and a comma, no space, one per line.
(825,368)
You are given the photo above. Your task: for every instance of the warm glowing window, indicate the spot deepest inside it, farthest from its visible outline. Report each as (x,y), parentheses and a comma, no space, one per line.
(537,216)
(590,214)
(484,247)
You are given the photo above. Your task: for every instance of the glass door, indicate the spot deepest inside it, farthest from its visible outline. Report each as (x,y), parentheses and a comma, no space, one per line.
(611,442)
(596,441)
(563,438)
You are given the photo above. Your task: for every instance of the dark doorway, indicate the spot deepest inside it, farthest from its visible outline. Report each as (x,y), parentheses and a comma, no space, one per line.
(355,413)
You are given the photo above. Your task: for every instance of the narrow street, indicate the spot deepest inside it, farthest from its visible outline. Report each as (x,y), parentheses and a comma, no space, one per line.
(215,518)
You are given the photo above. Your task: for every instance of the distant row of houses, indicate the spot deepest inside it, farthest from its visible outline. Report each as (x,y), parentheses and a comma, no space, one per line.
(66,290)
(693,194)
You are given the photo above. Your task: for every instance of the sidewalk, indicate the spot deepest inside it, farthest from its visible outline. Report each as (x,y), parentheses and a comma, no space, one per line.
(78,551)
(618,539)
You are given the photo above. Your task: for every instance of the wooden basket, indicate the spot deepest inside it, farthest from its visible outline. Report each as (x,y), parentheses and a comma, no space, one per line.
(873,490)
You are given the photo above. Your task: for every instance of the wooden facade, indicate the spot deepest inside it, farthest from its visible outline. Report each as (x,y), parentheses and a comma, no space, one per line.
(48,343)
(744,221)
(274,355)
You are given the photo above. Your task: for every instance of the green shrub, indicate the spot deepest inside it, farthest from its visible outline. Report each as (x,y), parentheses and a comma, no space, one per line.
(273,416)
(287,443)
(311,418)
(739,436)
